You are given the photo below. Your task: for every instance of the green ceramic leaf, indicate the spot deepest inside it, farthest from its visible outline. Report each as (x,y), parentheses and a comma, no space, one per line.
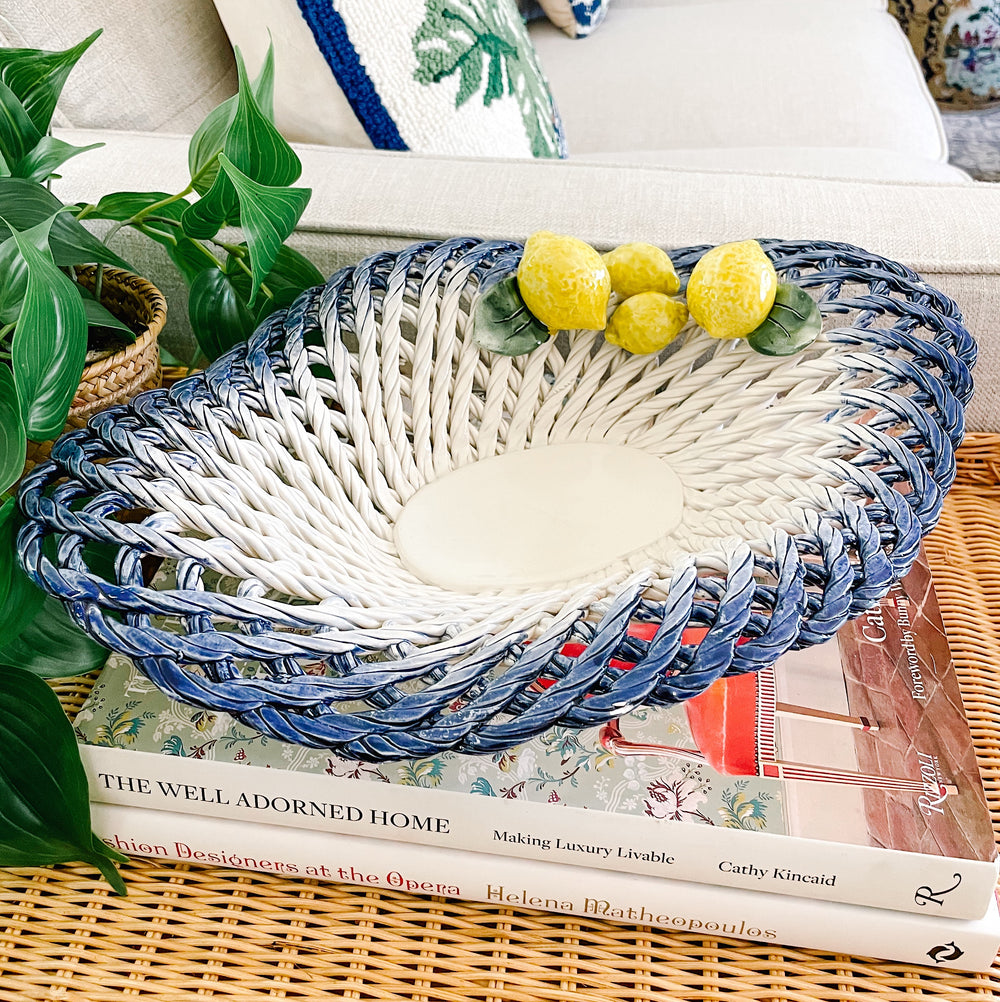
(24,204)
(12,437)
(268,215)
(793,323)
(502,323)
(50,340)
(210,138)
(44,797)
(48,155)
(219,316)
(37,77)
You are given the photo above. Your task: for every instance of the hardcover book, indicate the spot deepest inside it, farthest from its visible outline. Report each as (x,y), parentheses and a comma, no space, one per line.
(845,773)
(507,881)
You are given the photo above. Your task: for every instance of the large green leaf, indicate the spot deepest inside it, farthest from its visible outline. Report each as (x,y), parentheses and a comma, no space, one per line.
(13,280)
(19,598)
(44,797)
(219,316)
(98,316)
(213,210)
(290,275)
(12,437)
(51,645)
(257,149)
(24,204)
(50,341)
(37,77)
(210,138)
(18,135)
(36,631)
(123,205)
(268,215)
(48,155)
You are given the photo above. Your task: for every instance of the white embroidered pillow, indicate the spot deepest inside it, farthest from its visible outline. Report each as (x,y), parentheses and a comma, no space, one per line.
(451,77)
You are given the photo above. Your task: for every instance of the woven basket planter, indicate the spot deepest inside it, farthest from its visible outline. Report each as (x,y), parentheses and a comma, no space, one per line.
(275,478)
(115,377)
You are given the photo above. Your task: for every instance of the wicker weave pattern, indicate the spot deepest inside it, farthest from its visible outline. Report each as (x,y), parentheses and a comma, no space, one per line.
(274,479)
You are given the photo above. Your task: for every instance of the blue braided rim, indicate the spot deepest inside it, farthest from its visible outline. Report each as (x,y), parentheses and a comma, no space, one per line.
(905,343)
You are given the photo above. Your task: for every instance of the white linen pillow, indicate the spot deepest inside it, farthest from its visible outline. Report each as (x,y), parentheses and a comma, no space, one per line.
(455,77)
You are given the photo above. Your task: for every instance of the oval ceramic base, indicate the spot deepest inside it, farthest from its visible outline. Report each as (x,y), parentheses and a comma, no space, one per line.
(539,517)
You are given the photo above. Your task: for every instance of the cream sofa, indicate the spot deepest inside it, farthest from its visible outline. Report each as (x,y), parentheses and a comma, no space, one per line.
(688,121)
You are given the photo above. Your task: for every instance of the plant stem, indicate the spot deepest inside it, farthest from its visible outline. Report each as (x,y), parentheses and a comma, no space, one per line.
(239,252)
(141,215)
(218,264)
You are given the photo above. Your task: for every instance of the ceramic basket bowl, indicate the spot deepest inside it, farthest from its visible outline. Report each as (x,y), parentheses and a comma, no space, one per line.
(275,481)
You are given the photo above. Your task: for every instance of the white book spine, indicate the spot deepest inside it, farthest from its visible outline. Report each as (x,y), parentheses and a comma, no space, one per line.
(965,945)
(785,865)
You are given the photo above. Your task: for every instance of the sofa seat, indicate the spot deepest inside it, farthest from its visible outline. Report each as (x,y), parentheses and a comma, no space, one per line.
(719,75)
(838,162)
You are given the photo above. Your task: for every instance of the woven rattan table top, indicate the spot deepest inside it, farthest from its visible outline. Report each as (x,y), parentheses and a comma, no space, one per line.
(189,931)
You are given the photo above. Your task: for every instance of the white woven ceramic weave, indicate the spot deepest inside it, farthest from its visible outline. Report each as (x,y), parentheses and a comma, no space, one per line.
(275,480)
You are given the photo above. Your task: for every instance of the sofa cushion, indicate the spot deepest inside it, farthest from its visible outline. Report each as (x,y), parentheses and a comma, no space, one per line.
(958,45)
(413,73)
(159,69)
(729,73)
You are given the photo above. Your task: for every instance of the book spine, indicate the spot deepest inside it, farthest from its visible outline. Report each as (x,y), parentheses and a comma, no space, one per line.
(875,877)
(555,887)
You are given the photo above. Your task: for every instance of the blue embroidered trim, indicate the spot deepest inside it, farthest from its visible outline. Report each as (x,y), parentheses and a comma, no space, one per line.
(331,36)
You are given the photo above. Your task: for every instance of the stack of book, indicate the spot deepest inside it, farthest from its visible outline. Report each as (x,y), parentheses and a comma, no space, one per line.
(831,802)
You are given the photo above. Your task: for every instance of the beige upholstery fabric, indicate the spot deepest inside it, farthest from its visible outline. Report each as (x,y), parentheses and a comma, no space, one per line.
(847,163)
(157,67)
(365,201)
(737,73)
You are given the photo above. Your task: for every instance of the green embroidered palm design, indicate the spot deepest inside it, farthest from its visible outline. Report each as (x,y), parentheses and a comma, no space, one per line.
(474,38)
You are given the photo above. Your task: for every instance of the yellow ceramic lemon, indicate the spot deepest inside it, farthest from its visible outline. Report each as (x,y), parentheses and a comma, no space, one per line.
(646,323)
(639,268)
(564,282)
(731,289)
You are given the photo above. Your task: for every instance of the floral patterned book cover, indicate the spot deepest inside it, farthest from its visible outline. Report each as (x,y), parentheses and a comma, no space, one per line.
(845,772)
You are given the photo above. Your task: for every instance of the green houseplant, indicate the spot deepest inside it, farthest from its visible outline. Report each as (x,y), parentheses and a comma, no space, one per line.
(242,174)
